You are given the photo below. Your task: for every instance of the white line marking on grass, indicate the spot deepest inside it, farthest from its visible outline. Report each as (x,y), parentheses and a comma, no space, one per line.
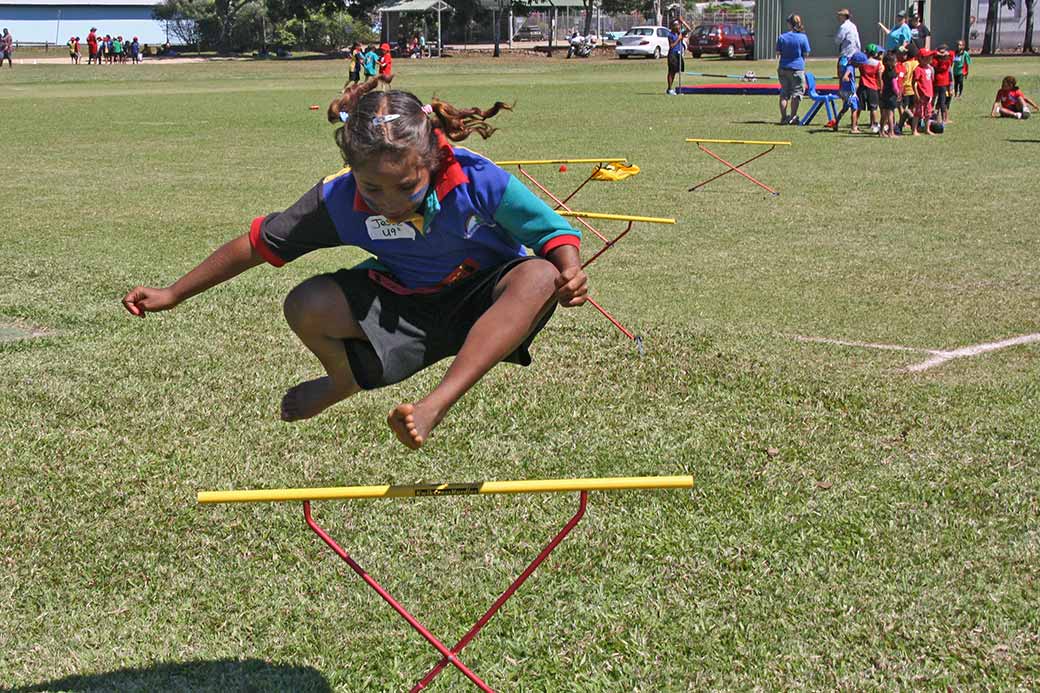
(939,356)
(865,345)
(944,356)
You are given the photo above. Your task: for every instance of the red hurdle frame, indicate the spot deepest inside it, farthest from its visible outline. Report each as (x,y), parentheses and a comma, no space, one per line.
(736,168)
(449,656)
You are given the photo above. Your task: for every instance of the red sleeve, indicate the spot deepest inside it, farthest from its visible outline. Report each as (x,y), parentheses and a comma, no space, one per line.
(557,241)
(258,243)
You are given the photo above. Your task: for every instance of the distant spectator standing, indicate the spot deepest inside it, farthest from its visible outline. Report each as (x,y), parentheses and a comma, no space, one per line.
(386,61)
(847,40)
(676,49)
(73,45)
(792,47)
(920,34)
(371,62)
(961,64)
(898,36)
(6,48)
(92,47)
(357,60)
(135,50)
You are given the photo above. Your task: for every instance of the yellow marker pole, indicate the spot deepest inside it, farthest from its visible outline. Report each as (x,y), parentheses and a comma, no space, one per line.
(540,162)
(775,144)
(617,217)
(440,490)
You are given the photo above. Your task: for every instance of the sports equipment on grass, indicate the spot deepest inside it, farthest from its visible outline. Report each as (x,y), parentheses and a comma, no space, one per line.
(448,656)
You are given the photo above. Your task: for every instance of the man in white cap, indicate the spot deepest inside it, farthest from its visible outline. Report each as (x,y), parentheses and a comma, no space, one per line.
(847,39)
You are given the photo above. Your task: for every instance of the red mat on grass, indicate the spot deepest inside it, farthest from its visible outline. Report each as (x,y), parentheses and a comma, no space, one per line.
(749,88)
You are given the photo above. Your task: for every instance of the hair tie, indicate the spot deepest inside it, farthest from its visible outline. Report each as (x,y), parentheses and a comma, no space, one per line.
(389,117)
(344,116)
(427,109)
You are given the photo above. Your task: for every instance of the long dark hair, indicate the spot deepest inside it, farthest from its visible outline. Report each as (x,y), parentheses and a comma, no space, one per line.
(370,131)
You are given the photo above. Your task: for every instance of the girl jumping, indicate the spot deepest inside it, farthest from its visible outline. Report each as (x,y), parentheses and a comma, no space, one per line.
(449,277)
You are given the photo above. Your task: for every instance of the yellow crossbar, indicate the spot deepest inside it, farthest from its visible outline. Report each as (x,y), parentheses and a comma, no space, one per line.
(538,162)
(440,490)
(698,139)
(616,217)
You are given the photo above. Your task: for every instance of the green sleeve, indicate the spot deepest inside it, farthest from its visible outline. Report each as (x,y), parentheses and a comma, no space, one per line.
(529,220)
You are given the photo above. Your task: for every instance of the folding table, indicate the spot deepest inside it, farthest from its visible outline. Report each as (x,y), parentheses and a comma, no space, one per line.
(448,656)
(736,168)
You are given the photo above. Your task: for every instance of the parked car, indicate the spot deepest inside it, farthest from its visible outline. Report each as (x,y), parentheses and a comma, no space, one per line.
(613,35)
(529,32)
(647,41)
(728,40)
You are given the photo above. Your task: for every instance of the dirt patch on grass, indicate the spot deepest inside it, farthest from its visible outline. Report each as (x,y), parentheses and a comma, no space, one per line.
(13,331)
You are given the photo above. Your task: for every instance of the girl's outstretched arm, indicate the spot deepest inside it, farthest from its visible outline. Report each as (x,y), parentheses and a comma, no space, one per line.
(572,286)
(227,261)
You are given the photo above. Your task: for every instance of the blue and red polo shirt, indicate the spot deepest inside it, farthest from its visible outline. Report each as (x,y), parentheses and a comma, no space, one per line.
(481,216)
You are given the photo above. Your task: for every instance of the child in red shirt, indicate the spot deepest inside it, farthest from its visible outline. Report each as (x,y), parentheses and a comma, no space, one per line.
(386,61)
(924,90)
(1011,102)
(943,64)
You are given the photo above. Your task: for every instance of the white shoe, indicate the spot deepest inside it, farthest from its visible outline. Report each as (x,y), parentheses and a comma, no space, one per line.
(1019,116)
(875,129)
(670,92)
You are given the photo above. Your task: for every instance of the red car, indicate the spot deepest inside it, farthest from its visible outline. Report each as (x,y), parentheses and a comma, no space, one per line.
(727,40)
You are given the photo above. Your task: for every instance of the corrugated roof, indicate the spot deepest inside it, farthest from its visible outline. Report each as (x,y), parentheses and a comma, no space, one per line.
(416,6)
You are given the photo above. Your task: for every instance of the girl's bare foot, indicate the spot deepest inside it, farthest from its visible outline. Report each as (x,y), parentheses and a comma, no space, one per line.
(412,423)
(854,131)
(310,398)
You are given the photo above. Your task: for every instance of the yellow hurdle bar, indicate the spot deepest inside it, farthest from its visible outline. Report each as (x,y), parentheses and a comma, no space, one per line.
(616,217)
(537,162)
(440,490)
(696,139)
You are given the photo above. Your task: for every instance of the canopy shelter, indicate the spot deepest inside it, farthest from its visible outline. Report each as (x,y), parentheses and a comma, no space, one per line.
(437,6)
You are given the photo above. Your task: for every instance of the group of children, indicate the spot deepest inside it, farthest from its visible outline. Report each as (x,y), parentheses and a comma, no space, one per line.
(918,85)
(108,49)
(369,62)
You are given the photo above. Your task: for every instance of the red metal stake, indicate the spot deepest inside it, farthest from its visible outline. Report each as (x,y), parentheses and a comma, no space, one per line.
(507,594)
(449,656)
(733,169)
(437,644)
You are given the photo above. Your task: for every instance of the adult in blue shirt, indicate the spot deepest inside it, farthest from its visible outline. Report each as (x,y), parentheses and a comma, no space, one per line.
(792,47)
(899,36)
(676,48)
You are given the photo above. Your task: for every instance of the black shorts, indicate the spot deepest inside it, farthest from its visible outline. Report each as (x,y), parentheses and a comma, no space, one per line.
(676,63)
(908,101)
(355,76)
(890,102)
(942,96)
(868,98)
(407,333)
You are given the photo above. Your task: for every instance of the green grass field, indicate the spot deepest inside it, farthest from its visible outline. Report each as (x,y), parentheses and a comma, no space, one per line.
(854,526)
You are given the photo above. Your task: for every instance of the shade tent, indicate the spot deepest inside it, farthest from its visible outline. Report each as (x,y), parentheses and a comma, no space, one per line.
(437,6)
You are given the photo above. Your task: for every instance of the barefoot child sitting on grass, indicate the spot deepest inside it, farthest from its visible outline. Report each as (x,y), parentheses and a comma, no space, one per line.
(449,277)
(1011,102)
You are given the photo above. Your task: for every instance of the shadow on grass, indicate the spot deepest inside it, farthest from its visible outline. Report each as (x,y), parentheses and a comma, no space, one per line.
(218,676)
(1024,141)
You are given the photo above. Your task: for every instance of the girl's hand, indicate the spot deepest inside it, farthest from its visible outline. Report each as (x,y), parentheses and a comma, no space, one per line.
(143,299)
(572,287)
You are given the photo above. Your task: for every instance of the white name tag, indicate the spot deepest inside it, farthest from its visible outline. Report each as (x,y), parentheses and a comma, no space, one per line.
(382,229)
